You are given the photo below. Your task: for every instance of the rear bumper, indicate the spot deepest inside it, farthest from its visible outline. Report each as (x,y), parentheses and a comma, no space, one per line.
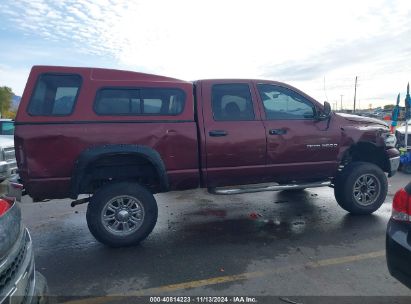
(398,249)
(42,188)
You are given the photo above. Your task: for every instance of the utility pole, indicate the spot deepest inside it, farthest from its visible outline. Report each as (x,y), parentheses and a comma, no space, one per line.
(355,92)
(341,102)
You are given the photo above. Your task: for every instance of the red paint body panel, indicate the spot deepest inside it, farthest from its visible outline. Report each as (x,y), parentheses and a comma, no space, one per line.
(48,147)
(239,157)
(289,155)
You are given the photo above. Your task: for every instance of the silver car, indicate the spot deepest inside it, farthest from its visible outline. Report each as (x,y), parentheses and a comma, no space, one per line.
(19,282)
(8,164)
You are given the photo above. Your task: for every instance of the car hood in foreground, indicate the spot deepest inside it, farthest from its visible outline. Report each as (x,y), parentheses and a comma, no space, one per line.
(362,119)
(10,226)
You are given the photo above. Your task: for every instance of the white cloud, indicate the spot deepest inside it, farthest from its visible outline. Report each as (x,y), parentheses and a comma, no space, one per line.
(201,39)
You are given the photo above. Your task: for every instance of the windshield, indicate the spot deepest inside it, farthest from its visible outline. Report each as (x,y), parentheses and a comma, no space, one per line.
(7,128)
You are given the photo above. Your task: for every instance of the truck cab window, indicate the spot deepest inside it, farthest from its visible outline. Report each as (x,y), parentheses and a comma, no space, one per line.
(232,102)
(282,103)
(139,101)
(54,95)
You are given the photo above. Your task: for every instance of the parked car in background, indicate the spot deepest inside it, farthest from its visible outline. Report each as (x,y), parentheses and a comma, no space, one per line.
(398,239)
(19,282)
(6,127)
(8,164)
(400,133)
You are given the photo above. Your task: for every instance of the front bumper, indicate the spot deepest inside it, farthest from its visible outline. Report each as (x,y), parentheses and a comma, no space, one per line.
(394,164)
(398,249)
(18,277)
(393,161)
(8,169)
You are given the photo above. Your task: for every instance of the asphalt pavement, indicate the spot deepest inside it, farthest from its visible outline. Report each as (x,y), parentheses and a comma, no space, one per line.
(262,244)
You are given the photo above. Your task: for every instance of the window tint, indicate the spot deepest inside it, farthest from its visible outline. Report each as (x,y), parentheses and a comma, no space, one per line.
(232,102)
(282,103)
(54,95)
(7,128)
(147,101)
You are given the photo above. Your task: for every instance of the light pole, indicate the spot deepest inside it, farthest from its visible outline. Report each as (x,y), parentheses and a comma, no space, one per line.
(355,92)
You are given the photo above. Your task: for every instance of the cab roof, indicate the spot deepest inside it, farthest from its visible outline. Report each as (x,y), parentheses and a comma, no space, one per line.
(106,74)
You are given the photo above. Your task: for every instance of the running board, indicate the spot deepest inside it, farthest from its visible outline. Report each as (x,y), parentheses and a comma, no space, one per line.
(265,187)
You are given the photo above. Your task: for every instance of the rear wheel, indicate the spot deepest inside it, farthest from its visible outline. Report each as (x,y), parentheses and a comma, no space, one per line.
(361,188)
(121,214)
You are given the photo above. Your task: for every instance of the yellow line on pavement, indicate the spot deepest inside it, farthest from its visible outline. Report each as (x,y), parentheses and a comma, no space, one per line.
(232,278)
(346,259)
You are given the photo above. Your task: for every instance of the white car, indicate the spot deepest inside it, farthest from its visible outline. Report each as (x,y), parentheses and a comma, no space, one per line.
(400,134)
(20,283)
(6,128)
(8,163)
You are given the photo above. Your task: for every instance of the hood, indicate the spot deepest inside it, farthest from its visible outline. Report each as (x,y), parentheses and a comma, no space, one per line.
(6,141)
(362,119)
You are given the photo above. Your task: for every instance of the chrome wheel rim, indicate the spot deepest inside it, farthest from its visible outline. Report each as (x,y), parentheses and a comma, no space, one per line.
(366,189)
(122,215)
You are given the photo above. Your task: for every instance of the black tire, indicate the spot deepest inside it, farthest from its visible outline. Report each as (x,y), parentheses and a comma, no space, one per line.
(124,192)
(346,180)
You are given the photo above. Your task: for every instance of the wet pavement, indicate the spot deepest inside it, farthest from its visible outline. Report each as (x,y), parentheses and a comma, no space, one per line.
(270,243)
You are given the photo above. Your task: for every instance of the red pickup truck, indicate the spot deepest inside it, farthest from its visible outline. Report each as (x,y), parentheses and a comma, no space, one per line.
(123,136)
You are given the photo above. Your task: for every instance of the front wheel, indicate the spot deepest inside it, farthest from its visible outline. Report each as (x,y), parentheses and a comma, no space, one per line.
(121,214)
(361,188)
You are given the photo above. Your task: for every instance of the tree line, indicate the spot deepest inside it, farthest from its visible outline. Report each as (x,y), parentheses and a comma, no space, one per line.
(6,97)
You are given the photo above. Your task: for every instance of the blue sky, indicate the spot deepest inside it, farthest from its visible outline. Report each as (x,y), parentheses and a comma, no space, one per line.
(299,42)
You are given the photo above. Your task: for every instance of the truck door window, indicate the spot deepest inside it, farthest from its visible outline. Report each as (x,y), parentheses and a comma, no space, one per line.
(232,102)
(54,95)
(282,103)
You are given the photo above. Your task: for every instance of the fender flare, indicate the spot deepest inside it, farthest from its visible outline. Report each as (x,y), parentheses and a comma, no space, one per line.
(384,165)
(92,154)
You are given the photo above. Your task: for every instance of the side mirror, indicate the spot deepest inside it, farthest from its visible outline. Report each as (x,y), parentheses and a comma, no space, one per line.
(325,113)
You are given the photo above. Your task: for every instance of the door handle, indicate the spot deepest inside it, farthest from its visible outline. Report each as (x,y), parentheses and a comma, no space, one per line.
(277,131)
(217,133)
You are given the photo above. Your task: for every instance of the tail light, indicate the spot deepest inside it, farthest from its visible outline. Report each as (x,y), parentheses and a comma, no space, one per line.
(4,206)
(401,206)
